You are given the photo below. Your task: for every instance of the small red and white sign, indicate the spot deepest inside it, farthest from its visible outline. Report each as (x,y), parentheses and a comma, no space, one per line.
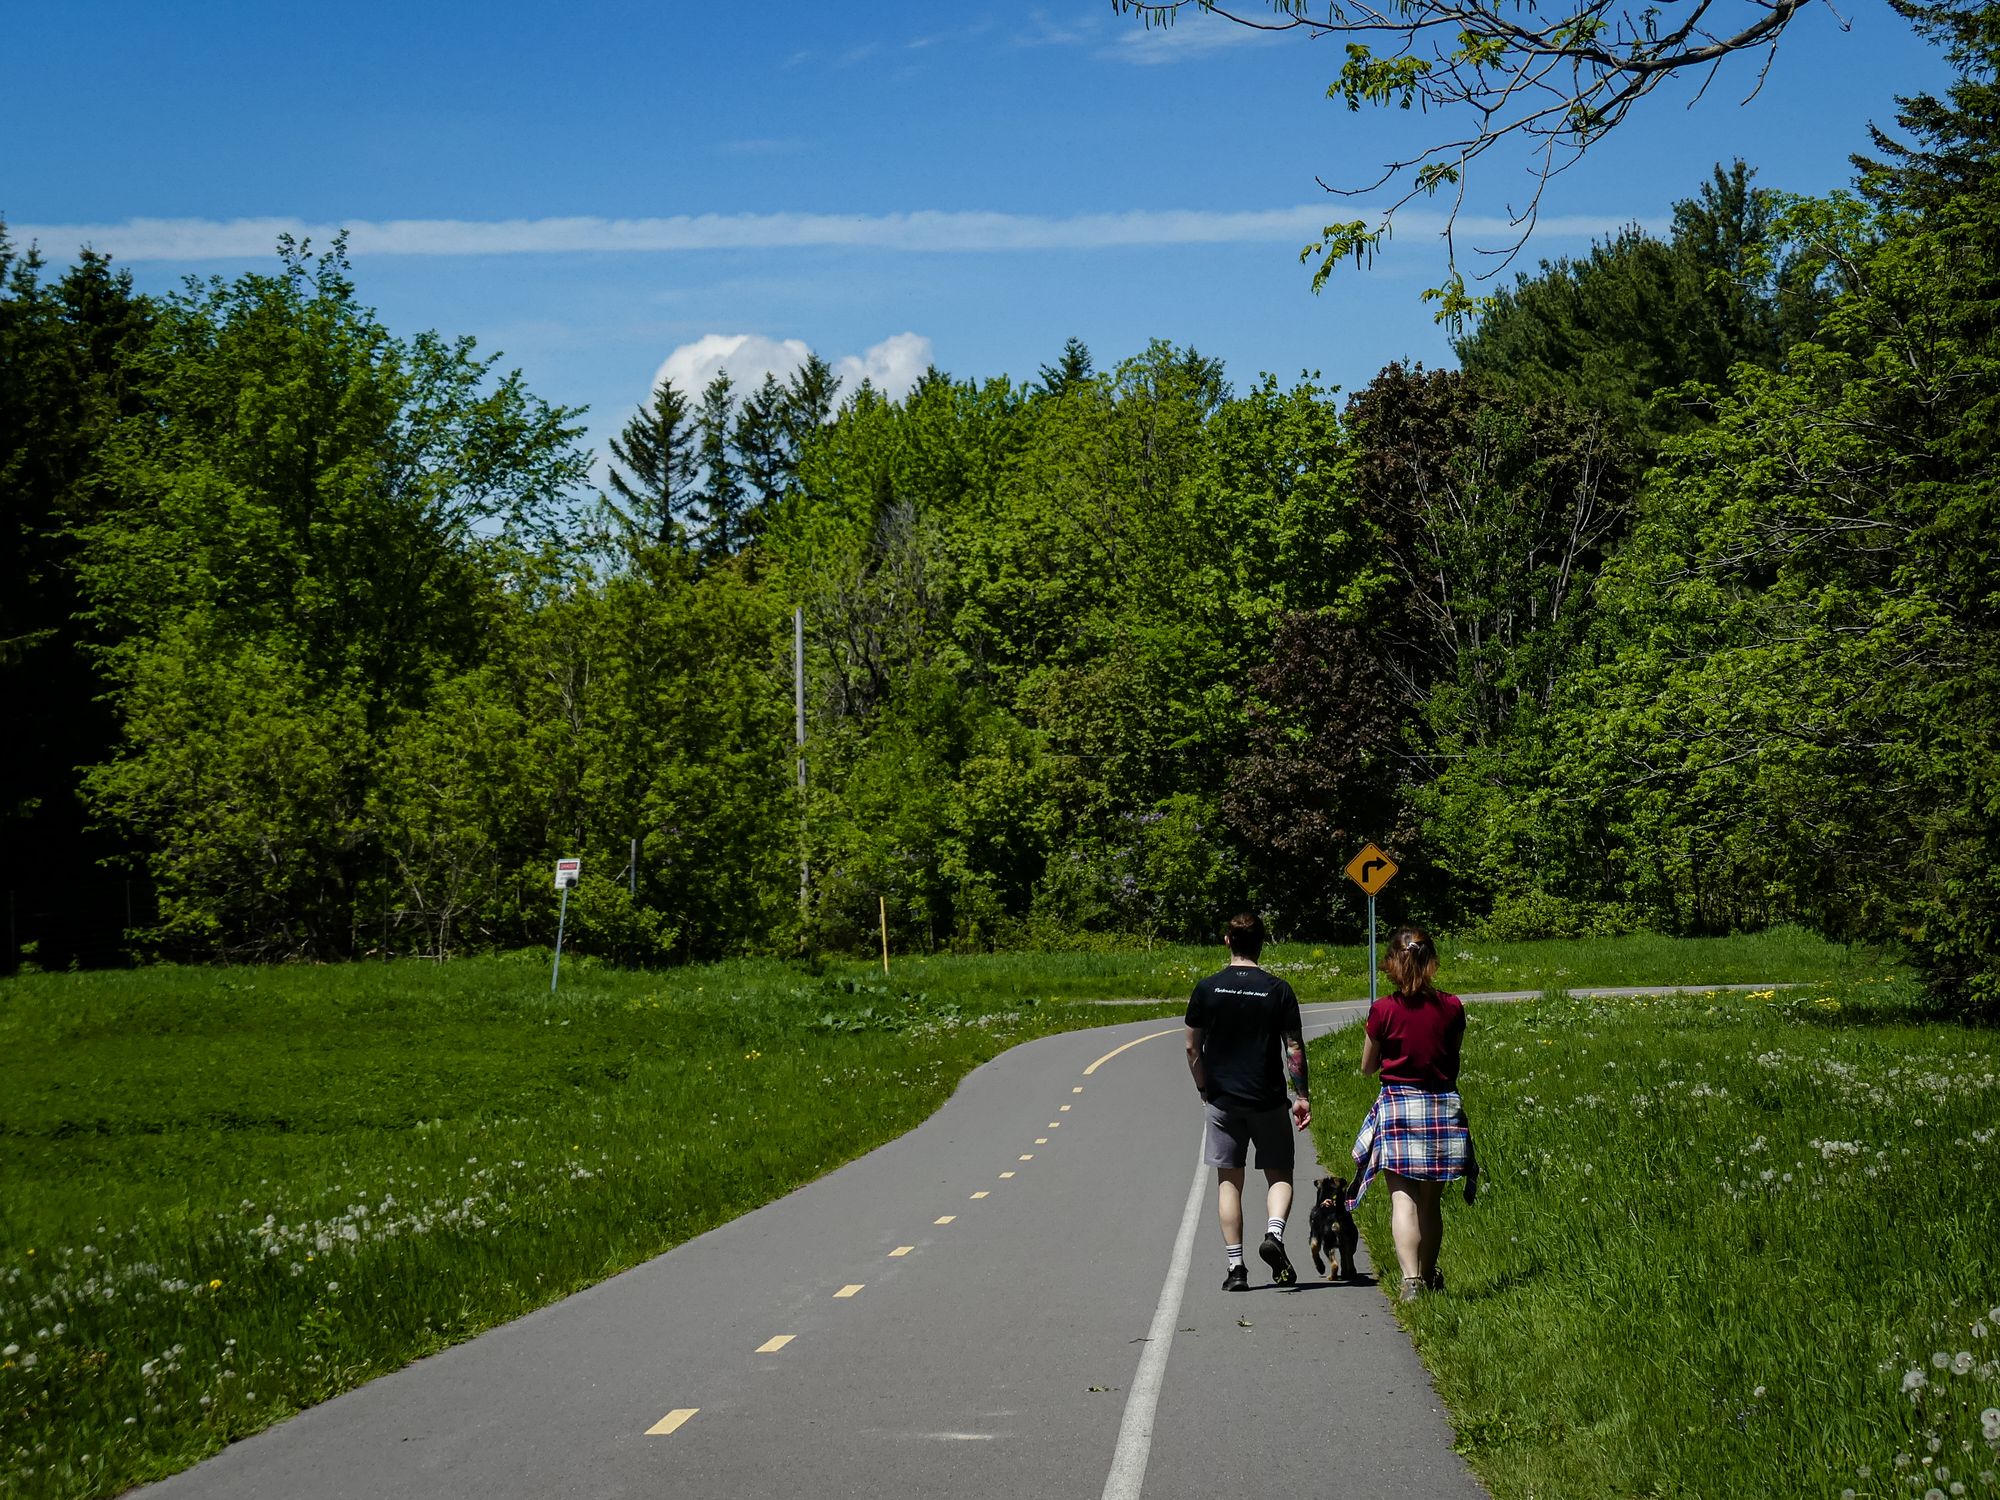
(568,873)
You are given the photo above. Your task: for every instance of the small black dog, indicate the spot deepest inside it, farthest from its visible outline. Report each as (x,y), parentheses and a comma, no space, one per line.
(1333,1228)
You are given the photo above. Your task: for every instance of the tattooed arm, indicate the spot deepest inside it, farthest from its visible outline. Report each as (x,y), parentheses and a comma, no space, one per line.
(1293,1046)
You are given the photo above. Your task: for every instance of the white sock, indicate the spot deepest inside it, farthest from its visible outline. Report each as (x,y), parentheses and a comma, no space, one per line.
(1235,1254)
(1276,1226)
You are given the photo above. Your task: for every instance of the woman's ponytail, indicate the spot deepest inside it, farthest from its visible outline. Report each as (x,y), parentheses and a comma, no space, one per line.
(1411,962)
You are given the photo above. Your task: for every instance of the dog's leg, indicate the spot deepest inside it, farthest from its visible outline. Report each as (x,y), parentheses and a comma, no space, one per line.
(1319,1261)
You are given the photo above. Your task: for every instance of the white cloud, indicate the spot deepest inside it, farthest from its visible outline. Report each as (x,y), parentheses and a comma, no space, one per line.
(922,231)
(892,366)
(748,357)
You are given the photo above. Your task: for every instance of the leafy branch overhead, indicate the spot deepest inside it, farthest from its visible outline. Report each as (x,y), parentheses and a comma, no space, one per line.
(1552,82)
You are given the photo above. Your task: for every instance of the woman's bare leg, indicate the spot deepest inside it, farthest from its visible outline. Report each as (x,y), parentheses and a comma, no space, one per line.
(1430,1227)
(1406,1221)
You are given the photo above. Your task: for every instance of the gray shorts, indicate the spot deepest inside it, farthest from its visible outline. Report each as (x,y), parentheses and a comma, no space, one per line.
(1230,1133)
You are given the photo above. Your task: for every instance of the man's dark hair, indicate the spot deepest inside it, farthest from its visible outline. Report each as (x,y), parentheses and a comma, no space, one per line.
(1245,934)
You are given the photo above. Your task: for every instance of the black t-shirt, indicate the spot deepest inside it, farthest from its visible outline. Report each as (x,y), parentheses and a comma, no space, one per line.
(1242,1012)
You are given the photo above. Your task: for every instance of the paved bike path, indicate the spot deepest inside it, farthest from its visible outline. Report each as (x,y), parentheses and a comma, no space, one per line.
(965,1311)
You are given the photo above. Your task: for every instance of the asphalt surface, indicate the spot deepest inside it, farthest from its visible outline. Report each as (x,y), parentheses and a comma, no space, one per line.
(1032,1308)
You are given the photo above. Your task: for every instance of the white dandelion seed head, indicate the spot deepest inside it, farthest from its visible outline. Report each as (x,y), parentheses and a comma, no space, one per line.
(1961,1362)
(1915,1379)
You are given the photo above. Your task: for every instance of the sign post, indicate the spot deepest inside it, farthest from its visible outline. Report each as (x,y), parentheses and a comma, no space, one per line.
(1371,869)
(568,872)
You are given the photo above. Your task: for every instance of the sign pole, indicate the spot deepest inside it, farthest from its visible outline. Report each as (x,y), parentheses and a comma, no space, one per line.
(1371,948)
(884,900)
(562,916)
(799,734)
(1371,869)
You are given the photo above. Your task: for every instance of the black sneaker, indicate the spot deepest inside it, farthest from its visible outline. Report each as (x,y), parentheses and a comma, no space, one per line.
(1273,1251)
(1238,1280)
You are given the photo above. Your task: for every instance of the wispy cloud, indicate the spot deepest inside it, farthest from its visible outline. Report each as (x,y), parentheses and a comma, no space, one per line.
(923,231)
(1193,36)
(1044,30)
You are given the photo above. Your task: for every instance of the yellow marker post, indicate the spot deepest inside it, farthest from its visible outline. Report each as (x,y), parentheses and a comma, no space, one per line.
(672,1421)
(885,932)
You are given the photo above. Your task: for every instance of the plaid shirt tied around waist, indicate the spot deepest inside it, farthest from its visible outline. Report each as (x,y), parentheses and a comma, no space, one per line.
(1415,1133)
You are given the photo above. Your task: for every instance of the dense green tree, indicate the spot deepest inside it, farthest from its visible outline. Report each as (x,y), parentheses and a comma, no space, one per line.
(67,348)
(292,556)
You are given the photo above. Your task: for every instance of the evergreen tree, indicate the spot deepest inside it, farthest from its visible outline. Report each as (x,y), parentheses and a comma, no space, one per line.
(1640,315)
(653,471)
(721,492)
(764,451)
(1073,366)
(809,401)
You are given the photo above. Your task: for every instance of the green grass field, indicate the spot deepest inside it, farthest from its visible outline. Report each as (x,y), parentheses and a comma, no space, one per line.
(1727,1246)
(228,1193)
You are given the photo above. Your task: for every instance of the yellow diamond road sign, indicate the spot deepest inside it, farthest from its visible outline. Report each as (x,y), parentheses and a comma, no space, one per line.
(1371,869)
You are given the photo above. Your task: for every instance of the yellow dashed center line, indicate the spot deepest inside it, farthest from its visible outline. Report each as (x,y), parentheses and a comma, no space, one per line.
(772,1346)
(850,1289)
(1005,1175)
(1065,1108)
(1041,1140)
(1055,1124)
(672,1421)
(944,1218)
(1077,1090)
(1027,1156)
(901,1250)
(980,1194)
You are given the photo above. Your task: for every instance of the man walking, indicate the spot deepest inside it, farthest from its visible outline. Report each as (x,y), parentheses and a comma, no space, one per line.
(1246,1049)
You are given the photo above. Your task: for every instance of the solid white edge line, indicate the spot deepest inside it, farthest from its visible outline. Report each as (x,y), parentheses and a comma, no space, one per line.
(1142,1403)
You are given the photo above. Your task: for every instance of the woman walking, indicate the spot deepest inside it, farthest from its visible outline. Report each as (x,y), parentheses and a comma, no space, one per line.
(1415,1135)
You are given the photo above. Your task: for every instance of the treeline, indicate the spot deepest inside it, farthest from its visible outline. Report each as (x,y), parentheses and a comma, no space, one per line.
(1674,607)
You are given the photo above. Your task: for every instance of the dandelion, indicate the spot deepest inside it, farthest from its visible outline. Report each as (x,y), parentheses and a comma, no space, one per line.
(1914,1380)
(29,1361)
(1940,1360)
(1961,1363)
(10,1351)
(215,1285)
(1758,1394)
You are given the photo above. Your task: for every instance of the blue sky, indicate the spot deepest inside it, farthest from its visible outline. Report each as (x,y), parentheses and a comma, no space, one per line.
(600,190)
